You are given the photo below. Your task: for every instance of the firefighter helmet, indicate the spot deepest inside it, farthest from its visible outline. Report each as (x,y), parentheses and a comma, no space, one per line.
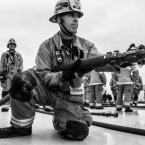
(65,6)
(11,41)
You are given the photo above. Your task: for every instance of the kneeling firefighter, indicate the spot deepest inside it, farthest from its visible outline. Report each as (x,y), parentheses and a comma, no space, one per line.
(60,90)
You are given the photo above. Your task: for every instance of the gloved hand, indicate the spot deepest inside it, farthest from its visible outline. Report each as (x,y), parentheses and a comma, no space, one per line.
(21,87)
(70,73)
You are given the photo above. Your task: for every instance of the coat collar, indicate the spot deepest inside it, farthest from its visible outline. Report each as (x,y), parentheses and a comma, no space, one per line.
(58,42)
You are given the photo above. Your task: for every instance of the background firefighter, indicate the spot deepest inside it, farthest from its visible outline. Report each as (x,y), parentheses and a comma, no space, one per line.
(125,87)
(11,63)
(97,81)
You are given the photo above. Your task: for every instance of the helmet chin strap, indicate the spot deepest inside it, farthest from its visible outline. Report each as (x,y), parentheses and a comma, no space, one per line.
(11,51)
(65,31)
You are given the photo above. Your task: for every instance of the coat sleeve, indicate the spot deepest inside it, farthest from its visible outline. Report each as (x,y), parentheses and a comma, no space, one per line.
(21,63)
(103,77)
(43,66)
(93,52)
(141,82)
(135,72)
(2,62)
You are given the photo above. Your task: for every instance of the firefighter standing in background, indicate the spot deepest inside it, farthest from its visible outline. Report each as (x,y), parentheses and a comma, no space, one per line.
(97,81)
(11,63)
(125,87)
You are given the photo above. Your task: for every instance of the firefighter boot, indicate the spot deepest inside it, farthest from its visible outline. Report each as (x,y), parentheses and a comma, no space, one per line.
(128,109)
(118,109)
(11,131)
(99,106)
(92,105)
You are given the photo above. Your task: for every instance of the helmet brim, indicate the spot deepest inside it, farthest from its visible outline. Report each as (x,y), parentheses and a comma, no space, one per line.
(53,18)
(10,44)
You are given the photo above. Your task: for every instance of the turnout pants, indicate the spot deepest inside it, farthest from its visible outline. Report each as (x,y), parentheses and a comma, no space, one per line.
(125,91)
(65,109)
(96,96)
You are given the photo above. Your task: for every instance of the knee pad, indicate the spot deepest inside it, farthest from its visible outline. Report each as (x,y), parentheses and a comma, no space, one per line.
(75,131)
(21,86)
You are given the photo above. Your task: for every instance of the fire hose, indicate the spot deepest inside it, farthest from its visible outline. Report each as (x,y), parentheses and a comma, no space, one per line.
(131,130)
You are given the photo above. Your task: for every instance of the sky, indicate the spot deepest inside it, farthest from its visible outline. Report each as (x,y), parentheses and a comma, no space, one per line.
(109,24)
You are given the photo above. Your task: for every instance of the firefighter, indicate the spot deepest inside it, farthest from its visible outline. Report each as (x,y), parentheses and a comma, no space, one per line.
(60,90)
(125,87)
(97,81)
(11,63)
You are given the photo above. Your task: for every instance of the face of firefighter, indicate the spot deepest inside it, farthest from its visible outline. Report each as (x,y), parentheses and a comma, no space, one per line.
(70,21)
(12,47)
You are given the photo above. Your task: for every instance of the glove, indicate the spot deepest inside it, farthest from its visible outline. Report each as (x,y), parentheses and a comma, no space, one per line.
(70,73)
(21,87)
